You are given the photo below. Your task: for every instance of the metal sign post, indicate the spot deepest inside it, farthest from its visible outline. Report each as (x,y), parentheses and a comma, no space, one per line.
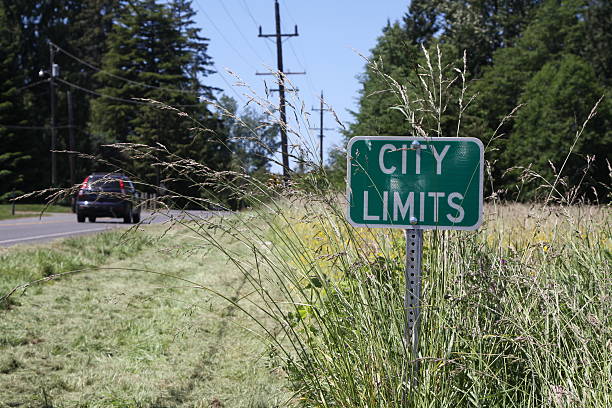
(412,297)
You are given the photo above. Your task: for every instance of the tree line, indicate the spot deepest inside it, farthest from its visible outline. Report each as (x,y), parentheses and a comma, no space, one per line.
(116,58)
(534,69)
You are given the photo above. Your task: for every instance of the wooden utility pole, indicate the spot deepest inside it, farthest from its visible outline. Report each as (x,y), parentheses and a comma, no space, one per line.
(321,128)
(71,139)
(281,84)
(52,74)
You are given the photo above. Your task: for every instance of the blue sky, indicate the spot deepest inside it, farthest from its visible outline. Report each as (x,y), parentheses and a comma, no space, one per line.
(332,33)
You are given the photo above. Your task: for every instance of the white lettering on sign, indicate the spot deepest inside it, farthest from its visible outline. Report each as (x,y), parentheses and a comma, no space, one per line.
(422,207)
(366,216)
(404,159)
(381,159)
(404,208)
(439,157)
(436,197)
(385,205)
(455,206)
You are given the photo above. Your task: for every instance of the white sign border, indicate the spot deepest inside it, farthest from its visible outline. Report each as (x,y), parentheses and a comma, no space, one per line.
(419,139)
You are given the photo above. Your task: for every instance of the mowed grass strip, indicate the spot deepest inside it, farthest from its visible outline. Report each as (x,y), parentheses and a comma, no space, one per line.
(29,210)
(118,336)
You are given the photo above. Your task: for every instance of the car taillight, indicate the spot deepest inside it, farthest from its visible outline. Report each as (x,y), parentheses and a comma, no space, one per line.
(121,186)
(83,186)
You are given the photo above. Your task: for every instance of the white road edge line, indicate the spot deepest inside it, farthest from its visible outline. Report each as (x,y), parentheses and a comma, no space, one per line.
(51,235)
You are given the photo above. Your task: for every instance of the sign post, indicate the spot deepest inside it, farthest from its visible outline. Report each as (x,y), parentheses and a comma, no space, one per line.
(414,183)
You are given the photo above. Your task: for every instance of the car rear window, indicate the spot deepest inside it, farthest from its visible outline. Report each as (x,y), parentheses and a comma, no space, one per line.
(107,183)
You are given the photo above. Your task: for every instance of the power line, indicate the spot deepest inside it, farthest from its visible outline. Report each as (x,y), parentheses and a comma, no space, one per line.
(239,30)
(116,97)
(31,85)
(230,86)
(218,71)
(246,6)
(70,84)
(33,127)
(95,68)
(223,36)
(304,67)
(120,77)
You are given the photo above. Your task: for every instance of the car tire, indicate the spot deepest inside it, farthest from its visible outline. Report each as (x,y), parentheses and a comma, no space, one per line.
(136,218)
(80,218)
(92,219)
(127,218)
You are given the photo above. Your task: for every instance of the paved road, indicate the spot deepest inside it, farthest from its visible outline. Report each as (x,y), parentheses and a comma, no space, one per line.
(53,226)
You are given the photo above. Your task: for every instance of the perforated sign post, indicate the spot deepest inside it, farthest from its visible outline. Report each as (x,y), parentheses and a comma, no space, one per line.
(414,184)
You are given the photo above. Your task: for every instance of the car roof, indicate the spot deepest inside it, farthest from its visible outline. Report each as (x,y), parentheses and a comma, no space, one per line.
(110,175)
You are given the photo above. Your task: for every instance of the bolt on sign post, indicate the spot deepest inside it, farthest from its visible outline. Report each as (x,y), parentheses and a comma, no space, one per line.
(414,183)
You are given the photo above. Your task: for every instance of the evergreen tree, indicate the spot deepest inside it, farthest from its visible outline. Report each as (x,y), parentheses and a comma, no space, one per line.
(558,30)
(482,26)
(558,100)
(155,47)
(423,21)
(76,26)
(13,156)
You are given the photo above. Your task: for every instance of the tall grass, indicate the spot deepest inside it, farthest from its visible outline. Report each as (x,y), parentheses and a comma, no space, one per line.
(516,314)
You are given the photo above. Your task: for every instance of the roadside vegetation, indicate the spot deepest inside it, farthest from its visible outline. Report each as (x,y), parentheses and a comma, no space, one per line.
(136,326)
(288,298)
(21,265)
(515,314)
(29,210)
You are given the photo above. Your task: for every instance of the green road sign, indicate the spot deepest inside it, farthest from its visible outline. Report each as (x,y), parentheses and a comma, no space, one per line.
(411,182)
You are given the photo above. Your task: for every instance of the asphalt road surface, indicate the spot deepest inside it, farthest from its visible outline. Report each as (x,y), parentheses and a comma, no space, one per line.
(54,225)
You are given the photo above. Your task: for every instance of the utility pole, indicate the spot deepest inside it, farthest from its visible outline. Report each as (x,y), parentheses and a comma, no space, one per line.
(321,128)
(53,73)
(281,84)
(71,139)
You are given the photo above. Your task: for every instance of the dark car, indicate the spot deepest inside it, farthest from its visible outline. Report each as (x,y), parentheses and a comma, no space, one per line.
(107,195)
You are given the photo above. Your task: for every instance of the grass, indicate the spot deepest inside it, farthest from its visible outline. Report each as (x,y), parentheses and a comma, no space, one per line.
(30,210)
(28,264)
(115,336)
(514,315)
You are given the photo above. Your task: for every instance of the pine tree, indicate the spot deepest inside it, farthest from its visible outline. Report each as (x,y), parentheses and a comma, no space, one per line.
(558,31)
(558,100)
(78,26)
(13,156)
(423,21)
(482,26)
(156,48)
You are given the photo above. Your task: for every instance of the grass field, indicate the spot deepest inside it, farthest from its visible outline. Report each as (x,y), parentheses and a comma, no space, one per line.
(244,312)
(516,314)
(113,336)
(29,210)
